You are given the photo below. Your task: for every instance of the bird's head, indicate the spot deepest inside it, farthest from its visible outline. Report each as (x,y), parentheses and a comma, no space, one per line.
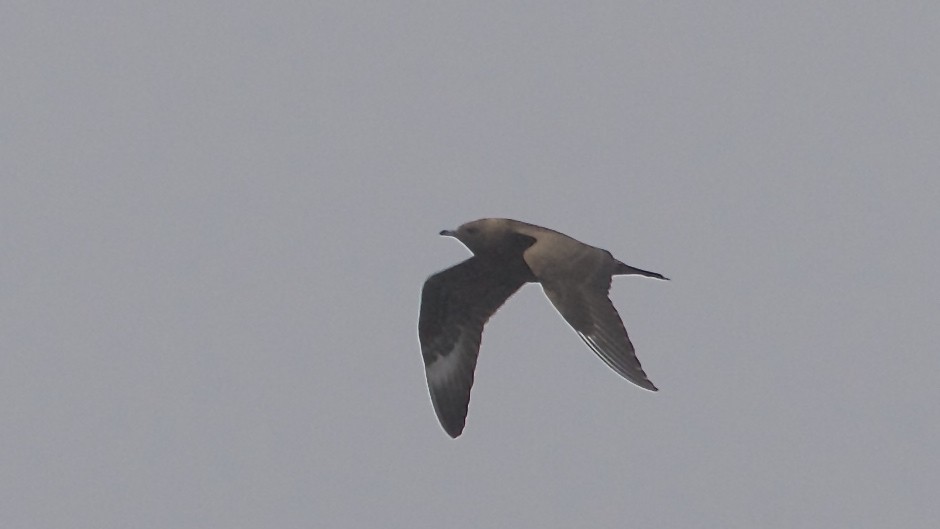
(481,236)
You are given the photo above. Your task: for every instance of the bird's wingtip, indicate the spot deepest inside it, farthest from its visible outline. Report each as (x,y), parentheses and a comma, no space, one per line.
(453,430)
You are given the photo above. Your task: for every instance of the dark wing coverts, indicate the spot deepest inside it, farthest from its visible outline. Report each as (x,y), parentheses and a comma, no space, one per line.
(455,304)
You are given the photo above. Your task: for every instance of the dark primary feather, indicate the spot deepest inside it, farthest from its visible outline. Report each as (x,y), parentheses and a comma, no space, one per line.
(608,338)
(589,311)
(455,304)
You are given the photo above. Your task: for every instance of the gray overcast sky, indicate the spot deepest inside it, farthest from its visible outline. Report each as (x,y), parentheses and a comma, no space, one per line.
(216,219)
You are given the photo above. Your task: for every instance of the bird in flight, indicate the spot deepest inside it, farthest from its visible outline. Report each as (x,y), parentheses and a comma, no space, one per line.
(457,302)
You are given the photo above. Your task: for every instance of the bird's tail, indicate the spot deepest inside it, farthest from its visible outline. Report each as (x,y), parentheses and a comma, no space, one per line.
(622,269)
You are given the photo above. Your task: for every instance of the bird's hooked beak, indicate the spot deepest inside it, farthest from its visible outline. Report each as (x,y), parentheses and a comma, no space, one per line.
(448,233)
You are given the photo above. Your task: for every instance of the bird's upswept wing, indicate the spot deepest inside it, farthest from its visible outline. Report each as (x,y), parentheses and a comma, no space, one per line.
(455,304)
(587,308)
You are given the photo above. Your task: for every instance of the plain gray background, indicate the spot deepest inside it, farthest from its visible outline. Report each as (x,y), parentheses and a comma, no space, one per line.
(217,217)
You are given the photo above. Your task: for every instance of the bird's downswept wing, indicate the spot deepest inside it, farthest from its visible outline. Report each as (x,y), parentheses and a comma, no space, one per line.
(455,304)
(588,309)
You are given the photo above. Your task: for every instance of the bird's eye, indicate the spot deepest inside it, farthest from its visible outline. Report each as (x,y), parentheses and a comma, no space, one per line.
(472,231)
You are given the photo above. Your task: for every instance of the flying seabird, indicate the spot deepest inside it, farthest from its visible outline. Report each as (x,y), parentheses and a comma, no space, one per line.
(457,302)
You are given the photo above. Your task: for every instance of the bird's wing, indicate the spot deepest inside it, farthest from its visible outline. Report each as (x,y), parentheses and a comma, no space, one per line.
(455,304)
(587,308)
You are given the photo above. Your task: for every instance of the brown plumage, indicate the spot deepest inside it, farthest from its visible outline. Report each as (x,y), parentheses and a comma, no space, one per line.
(457,302)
